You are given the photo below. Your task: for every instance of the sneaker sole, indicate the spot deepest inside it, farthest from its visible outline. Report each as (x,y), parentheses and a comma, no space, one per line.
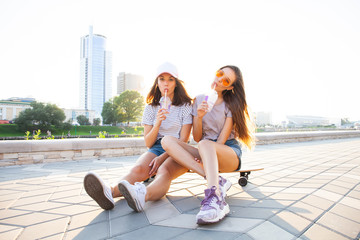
(205,222)
(95,190)
(131,200)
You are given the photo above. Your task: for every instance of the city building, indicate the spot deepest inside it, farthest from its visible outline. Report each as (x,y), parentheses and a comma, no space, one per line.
(11,108)
(72,114)
(128,81)
(95,72)
(263,118)
(307,121)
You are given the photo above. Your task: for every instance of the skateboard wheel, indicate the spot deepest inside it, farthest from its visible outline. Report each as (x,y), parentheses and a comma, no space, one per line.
(243,181)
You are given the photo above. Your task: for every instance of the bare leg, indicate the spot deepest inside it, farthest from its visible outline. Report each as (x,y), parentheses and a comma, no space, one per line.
(168,171)
(183,153)
(216,156)
(138,173)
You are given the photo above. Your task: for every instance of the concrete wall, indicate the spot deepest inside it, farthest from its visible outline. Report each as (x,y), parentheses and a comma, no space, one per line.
(42,151)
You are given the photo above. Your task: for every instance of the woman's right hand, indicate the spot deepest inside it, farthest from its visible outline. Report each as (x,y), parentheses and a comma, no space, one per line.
(202,109)
(161,116)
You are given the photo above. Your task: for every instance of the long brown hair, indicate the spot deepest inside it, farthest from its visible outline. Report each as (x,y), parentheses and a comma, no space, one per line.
(235,100)
(180,95)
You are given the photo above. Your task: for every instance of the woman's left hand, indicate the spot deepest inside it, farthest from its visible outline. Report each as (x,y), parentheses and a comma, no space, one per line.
(155,164)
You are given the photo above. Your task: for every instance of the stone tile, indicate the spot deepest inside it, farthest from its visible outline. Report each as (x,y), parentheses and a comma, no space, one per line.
(158,203)
(354,194)
(306,210)
(157,233)
(23,201)
(318,202)
(288,196)
(299,190)
(121,209)
(197,190)
(239,202)
(199,234)
(29,219)
(187,204)
(319,232)
(182,220)
(290,222)
(179,194)
(339,224)
(328,195)
(9,213)
(267,189)
(93,231)
(250,212)
(251,195)
(350,213)
(336,189)
(45,229)
(352,202)
(243,237)
(272,203)
(10,195)
(160,213)
(230,224)
(268,230)
(128,223)
(9,232)
(88,218)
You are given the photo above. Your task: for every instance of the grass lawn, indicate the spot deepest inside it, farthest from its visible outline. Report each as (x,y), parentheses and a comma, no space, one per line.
(10,130)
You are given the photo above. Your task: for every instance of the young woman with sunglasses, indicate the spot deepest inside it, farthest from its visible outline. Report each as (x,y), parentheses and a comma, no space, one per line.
(159,121)
(217,132)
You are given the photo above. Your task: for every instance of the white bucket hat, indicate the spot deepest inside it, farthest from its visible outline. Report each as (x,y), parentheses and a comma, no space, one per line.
(168,68)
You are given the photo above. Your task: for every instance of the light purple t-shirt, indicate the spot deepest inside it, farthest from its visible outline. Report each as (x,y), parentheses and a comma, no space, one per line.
(213,122)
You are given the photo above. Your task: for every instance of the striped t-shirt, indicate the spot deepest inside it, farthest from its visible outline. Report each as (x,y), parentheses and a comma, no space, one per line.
(171,126)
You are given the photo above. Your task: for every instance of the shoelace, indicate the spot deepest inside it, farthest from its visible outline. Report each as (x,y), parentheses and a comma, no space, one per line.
(208,200)
(139,188)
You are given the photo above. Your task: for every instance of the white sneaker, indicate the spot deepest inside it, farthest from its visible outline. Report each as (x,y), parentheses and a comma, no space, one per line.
(99,191)
(213,209)
(224,186)
(134,194)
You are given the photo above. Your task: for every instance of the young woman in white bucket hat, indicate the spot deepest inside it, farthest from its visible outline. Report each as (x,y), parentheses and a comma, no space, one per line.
(174,120)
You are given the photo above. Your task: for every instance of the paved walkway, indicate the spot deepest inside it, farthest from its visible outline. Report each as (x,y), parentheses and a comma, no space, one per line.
(308,190)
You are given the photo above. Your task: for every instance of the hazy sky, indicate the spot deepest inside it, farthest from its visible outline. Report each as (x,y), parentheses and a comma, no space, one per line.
(297,57)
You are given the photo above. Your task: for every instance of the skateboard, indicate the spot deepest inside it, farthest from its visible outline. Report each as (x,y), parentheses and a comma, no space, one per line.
(243,180)
(244,175)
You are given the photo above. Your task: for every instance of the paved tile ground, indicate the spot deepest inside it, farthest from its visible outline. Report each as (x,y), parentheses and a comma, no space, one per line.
(308,190)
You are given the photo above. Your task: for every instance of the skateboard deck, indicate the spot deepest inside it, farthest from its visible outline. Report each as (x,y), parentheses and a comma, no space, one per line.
(244,175)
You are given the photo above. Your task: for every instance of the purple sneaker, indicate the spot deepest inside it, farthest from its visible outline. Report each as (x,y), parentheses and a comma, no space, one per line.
(213,209)
(224,186)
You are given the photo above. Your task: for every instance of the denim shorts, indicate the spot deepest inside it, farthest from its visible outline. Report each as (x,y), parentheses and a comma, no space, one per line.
(234,144)
(157,149)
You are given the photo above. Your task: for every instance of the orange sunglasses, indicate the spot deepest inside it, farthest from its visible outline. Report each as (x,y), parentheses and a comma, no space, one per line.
(224,79)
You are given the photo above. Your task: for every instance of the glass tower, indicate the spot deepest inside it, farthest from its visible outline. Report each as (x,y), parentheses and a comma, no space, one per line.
(95,72)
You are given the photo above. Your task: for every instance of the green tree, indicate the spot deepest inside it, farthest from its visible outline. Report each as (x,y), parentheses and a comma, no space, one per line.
(40,116)
(109,113)
(129,106)
(83,120)
(96,121)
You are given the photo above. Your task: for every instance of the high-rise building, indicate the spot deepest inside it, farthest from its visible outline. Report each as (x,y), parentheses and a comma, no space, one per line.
(95,72)
(128,81)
